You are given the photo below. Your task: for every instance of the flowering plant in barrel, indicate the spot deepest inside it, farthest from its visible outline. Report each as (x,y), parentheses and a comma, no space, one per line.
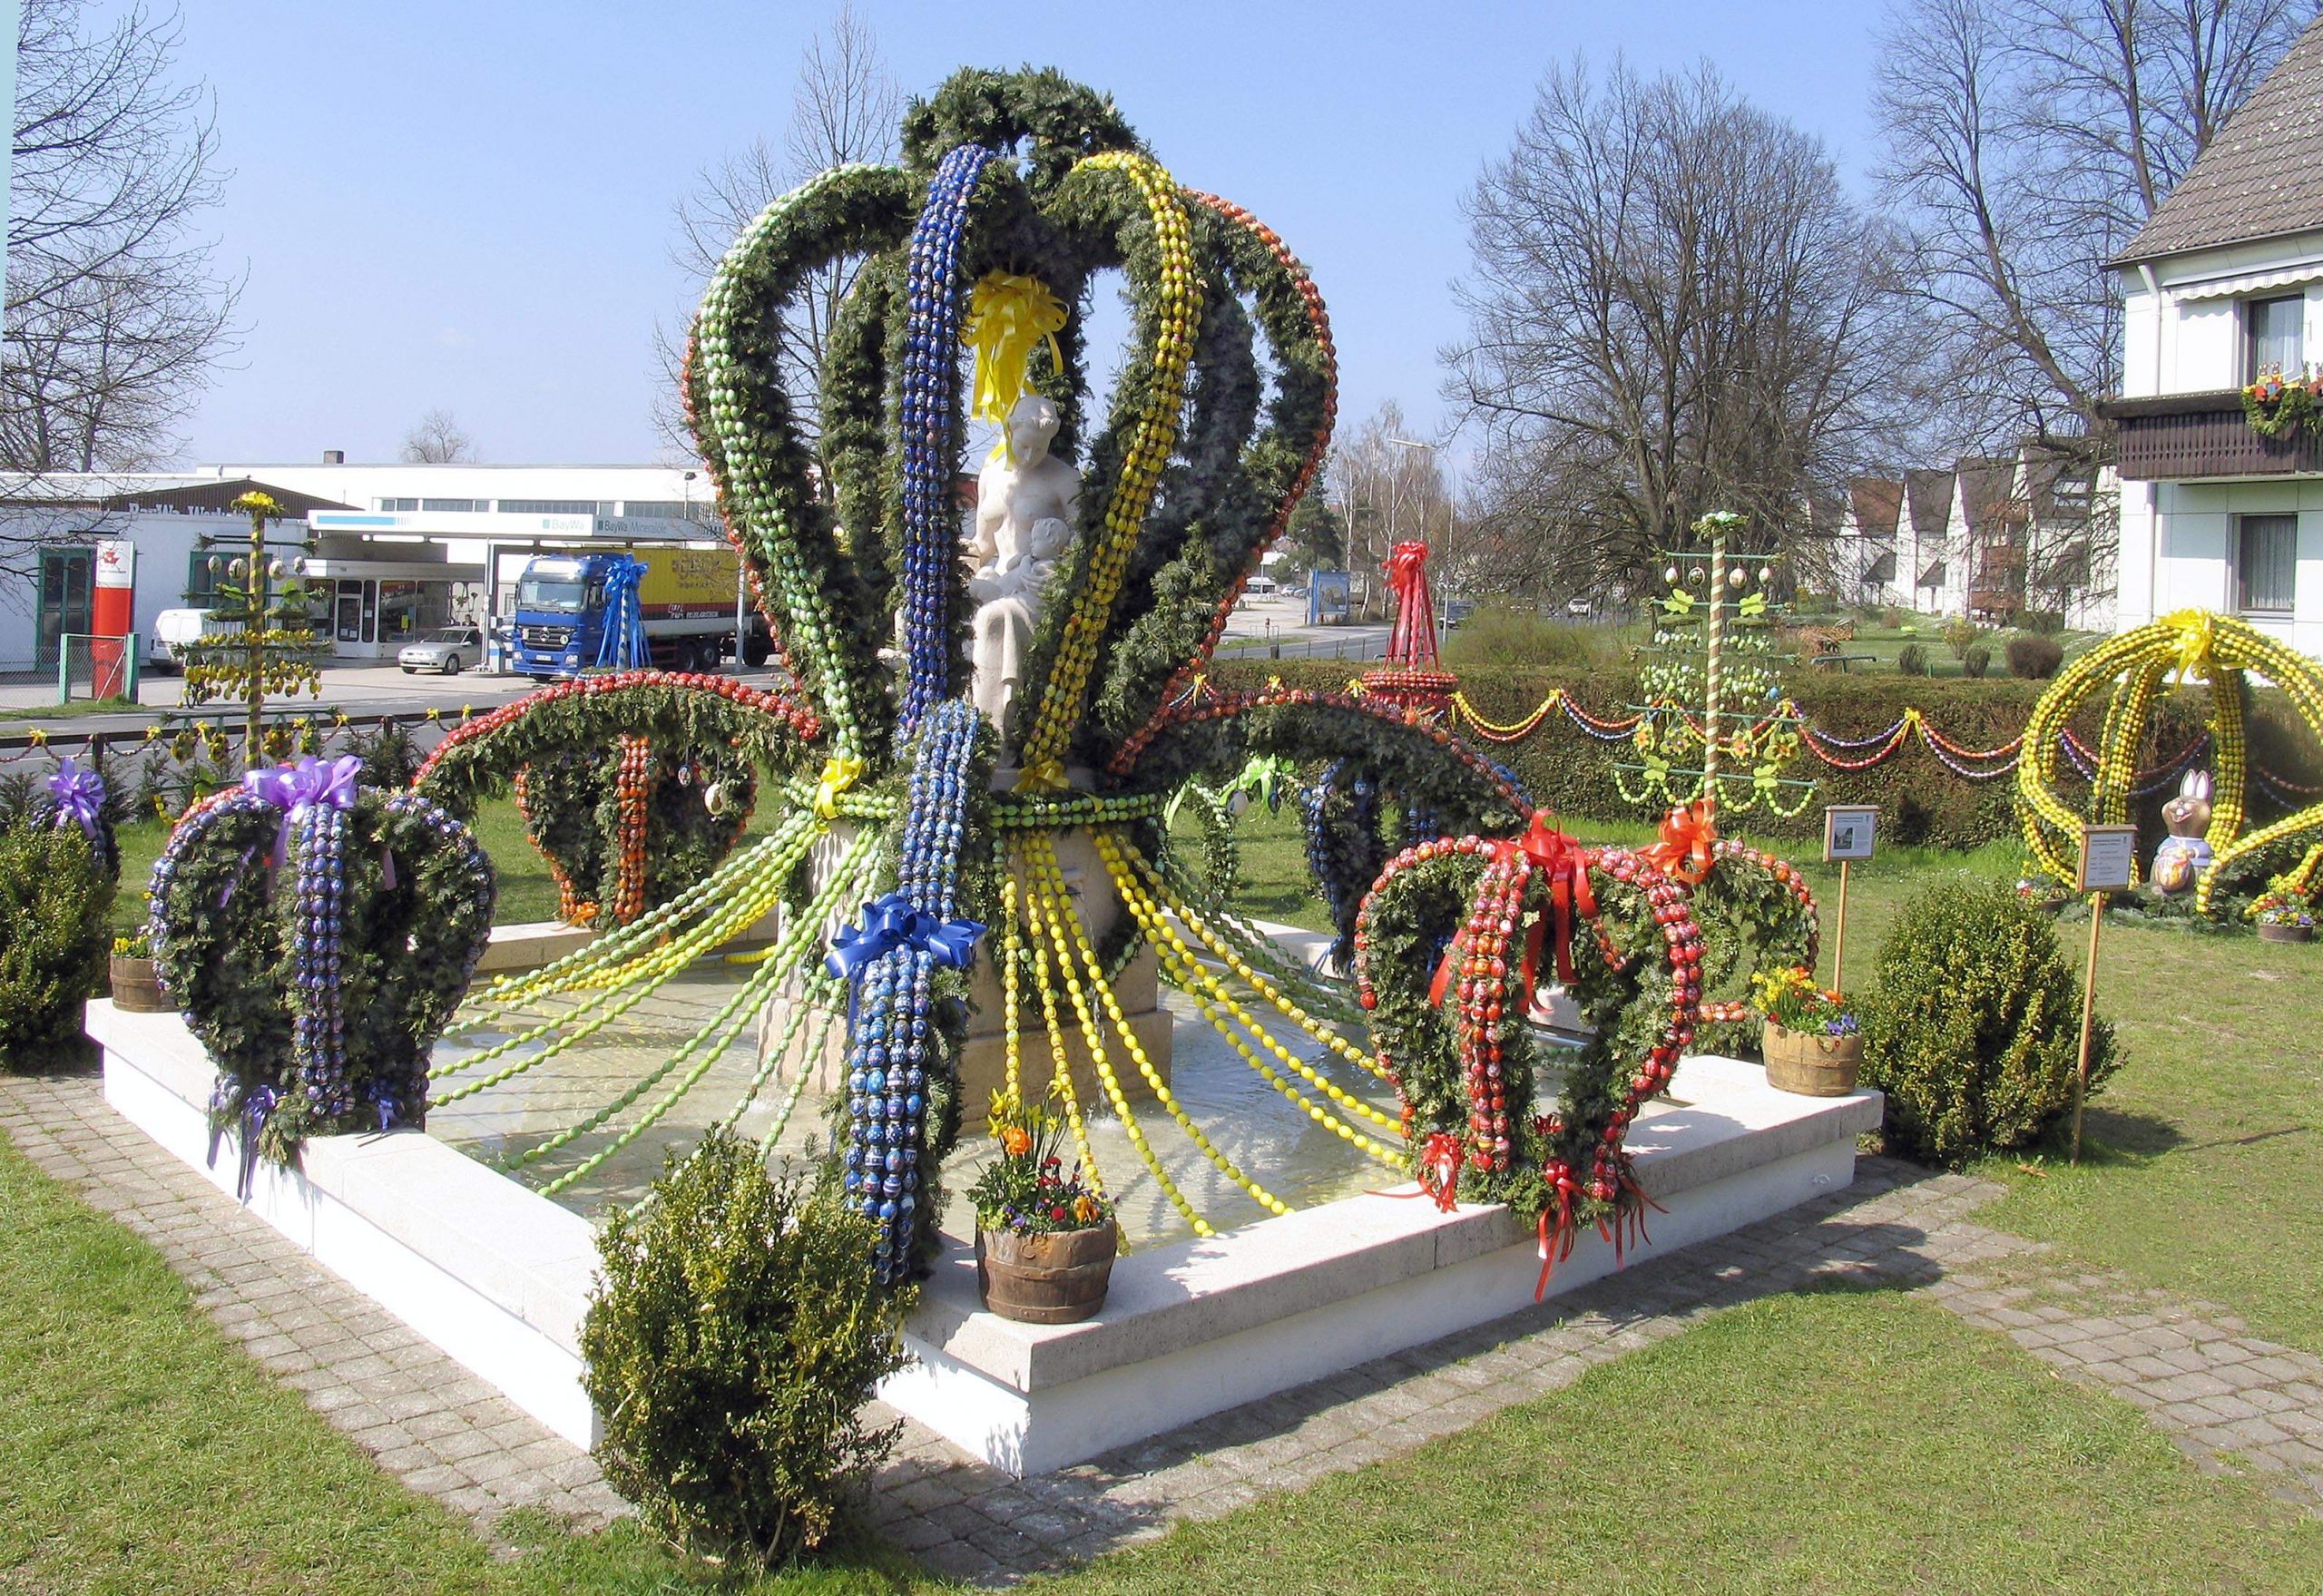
(1027,1187)
(1045,1236)
(1790,999)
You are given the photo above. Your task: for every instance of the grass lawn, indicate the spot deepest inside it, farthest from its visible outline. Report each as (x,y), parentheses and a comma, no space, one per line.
(140,1452)
(1828,1442)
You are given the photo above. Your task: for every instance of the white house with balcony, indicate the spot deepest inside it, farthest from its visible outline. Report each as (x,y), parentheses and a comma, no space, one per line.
(2223,285)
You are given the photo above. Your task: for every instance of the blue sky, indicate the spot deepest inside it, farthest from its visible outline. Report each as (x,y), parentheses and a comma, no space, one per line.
(468,205)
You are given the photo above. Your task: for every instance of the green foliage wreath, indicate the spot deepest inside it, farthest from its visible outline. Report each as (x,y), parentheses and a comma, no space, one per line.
(1757,916)
(1634,975)
(414,910)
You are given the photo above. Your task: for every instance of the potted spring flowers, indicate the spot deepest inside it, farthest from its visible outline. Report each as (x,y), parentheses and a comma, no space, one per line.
(135,987)
(2284,914)
(1045,1240)
(1812,1043)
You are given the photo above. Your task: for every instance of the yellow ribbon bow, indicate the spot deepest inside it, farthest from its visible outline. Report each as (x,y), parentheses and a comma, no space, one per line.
(1042,776)
(840,772)
(2196,635)
(1008,316)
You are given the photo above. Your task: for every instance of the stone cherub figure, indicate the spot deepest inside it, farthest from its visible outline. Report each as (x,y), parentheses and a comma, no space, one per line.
(1026,503)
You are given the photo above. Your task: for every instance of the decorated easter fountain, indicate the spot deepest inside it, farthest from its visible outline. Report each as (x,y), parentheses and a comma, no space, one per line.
(960,882)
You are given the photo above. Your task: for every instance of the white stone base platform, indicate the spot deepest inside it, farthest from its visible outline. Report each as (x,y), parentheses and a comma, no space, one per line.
(1204,1325)
(492,1272)
(498,1277)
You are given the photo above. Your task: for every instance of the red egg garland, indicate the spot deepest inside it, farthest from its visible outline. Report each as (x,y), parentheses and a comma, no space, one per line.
(632,792)
(800,721)
(1467,1080)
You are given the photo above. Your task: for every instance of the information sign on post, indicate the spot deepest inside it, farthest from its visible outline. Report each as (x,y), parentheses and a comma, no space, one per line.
(1848,830)
(2108,858)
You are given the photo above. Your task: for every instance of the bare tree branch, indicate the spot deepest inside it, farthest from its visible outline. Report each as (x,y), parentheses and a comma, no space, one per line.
(2026,142)
(114,315)
(438,439)
(1673,308)
(844,108)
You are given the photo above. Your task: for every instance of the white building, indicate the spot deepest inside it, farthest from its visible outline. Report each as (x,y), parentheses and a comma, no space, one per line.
(2222,284)
(397,549)
(1992,538)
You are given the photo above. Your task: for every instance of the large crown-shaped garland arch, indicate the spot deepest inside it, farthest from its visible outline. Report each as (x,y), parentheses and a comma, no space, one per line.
(1015,191)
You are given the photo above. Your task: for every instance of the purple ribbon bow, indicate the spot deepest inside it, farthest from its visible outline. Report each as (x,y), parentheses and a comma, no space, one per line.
(80,796)
(295,789)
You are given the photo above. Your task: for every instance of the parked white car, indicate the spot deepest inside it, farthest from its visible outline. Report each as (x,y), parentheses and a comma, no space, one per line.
(450,651)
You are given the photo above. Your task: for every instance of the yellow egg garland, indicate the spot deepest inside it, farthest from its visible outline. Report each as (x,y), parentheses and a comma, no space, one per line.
(1179,311)
(2192,645)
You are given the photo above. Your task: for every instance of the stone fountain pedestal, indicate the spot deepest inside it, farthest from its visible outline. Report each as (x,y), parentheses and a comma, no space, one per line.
(983,1061)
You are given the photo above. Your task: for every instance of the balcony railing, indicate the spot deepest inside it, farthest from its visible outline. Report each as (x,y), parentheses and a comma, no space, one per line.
(2178,436)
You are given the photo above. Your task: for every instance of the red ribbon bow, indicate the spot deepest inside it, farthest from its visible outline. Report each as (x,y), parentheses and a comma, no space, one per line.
(1560,857)
(1440,1164)
(1688,836)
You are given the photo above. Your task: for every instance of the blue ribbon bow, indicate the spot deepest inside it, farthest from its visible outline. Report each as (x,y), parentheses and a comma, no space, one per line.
(891,922)
(80,796)
(624,644)
(258,1106)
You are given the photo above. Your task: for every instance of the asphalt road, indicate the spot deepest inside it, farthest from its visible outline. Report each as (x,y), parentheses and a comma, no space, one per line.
(384,689)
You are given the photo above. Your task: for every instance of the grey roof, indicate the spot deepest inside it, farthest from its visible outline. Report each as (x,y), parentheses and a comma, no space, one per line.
(2261,177)
(1875,501)
(1988,497)
(1928,494)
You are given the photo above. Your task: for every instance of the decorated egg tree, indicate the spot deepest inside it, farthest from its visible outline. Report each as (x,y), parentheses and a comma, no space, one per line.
(1714,728)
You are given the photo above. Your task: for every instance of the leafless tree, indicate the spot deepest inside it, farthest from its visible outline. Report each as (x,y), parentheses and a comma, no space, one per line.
(2025,142)
(437,438)
(1389,488)
(113,313)
(1673,308)
(844,108)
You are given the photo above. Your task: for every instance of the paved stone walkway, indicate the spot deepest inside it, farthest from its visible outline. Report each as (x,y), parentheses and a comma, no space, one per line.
(2225,1397)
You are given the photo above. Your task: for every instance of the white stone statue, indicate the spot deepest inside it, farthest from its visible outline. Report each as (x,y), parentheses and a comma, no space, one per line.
(1026,503)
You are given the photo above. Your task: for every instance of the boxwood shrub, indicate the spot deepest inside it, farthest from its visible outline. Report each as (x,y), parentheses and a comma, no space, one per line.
(54,901)
(734,1339)
(1974,1029)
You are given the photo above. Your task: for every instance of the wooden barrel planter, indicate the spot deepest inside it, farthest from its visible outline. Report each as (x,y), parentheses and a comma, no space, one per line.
(1810,1065)
(2267,932)
(1058,1279)
(136,988)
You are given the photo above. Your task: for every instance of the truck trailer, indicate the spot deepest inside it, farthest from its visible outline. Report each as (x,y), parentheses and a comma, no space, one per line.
(686,596)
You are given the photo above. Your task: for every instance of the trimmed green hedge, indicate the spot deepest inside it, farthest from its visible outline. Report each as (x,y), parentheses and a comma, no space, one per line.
(1919,798)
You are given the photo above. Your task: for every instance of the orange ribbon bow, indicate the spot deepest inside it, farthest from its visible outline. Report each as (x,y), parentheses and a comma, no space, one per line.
(1688,836)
